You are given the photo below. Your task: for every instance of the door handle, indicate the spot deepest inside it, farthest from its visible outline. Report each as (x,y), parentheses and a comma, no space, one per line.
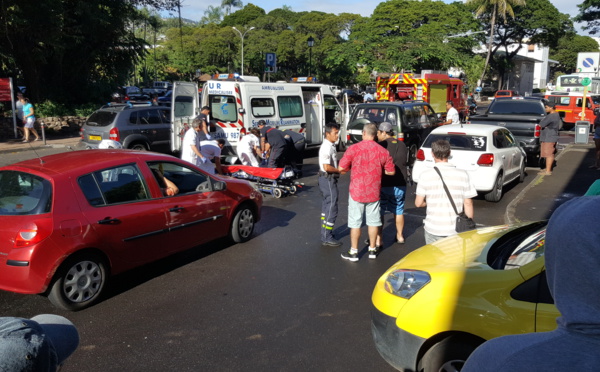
(176,209)
(109,221)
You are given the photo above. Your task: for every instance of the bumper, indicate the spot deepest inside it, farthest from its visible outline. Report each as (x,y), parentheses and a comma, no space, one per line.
(399,348)
(19,276)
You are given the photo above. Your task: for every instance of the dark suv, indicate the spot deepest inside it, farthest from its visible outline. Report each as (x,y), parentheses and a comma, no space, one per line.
(412,121)
(139,127)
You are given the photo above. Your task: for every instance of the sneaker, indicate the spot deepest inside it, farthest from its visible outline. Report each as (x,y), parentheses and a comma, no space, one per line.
(373,252)
(346,255)
(332,243)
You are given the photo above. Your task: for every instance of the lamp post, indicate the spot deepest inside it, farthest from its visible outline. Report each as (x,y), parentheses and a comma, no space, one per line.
(242,37)
(311,43)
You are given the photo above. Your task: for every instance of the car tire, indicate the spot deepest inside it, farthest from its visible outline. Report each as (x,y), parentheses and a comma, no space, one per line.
(243,224)
(496,194)
(138,146)
(412,155)
(79,282)
(449,354)
(277,193)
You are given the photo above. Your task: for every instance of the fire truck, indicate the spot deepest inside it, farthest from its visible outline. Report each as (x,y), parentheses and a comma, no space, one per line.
(429,86)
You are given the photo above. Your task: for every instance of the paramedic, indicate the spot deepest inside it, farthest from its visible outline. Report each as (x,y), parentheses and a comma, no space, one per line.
(211,150)
(203,117)
(249,147)
(190,148)
(272,141)
(295,148)
(328,184)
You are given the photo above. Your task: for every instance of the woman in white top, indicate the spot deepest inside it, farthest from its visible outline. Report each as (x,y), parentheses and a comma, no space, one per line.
(248,147)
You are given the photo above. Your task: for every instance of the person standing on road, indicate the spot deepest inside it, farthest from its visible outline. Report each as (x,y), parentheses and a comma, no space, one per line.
(190,147)
(204,124)
(573,279)
(248,148)
(440,219)
(273,143)
(452,116)
(549,136)
(393,188)
(29,119)
(328,184)
(368,161)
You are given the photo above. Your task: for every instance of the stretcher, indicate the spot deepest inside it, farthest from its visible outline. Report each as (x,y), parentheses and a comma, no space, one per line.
(275,181)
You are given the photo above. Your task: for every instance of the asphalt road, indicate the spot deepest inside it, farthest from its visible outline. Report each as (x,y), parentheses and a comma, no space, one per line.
(278,302)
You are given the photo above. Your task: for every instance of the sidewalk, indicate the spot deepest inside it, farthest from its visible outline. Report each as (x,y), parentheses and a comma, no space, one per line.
(53,141)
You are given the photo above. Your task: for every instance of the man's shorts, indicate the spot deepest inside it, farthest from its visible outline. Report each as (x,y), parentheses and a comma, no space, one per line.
(392,199)
(356,210)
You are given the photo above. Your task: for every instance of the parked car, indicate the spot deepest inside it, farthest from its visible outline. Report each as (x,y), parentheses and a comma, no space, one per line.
(412,121)
(126,94)
(506,94)
(71,220)
(432,308)
(490,154)
(353,96)
(137,127)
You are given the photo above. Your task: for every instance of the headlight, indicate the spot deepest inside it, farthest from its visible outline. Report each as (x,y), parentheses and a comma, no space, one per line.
(405,283)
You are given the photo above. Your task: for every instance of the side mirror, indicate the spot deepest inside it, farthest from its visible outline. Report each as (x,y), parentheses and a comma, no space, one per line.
(219,186)
(242,111)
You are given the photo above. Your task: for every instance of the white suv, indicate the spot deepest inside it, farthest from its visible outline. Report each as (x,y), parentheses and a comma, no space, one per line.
(489,153)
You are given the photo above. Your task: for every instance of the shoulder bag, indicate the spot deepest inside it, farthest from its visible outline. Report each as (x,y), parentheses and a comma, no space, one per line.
(463,222)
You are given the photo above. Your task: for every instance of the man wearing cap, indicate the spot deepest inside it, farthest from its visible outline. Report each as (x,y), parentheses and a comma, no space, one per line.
(367,161)
(393,188)
(272,142)
(41,343)
(549,136)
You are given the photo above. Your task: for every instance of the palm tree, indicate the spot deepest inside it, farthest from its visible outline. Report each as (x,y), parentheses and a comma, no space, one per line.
(499,8)
(212,14)
(228,4)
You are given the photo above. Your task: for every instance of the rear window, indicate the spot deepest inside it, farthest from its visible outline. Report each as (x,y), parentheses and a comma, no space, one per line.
(516,107)
(498,94)
(101,118)
(459,141)
(24,194)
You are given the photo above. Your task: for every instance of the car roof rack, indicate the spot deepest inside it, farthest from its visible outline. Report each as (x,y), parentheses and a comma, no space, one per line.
(128,105)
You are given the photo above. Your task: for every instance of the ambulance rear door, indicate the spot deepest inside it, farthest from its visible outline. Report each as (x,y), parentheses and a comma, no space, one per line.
(226,112)
(184,109)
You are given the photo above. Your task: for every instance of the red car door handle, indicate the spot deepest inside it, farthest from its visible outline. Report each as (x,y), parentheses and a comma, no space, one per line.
(109,221)
(176,209)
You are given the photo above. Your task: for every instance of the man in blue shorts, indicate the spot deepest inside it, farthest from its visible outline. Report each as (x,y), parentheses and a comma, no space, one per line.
(393,188)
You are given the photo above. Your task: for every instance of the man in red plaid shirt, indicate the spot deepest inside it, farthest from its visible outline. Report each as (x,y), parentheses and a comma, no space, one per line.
(367,160)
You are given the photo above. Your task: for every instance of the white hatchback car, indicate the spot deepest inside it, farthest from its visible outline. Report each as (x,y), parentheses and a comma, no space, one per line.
(489,153)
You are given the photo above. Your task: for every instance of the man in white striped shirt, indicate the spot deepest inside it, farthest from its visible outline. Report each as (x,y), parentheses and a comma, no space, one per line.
(440,220)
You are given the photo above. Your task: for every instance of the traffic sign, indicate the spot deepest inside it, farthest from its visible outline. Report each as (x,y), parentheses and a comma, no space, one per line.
(478,89)
(586,81)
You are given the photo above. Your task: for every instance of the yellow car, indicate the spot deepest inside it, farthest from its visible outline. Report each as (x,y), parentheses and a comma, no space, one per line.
(436,305)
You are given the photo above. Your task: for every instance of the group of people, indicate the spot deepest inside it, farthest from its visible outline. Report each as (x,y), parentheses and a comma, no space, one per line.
(378,183)
(199,148)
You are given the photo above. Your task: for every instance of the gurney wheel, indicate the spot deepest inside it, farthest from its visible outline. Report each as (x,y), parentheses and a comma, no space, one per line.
(277,193)
(293,190)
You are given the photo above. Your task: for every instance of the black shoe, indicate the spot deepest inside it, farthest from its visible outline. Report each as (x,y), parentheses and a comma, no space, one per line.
(332,243)
(353,257)
(373,252)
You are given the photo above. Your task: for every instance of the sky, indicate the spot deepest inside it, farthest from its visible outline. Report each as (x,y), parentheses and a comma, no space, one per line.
(194,9)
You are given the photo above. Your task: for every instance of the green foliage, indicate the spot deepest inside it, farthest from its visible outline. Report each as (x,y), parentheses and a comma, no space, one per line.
(53,109)
(567,49)
(589,12)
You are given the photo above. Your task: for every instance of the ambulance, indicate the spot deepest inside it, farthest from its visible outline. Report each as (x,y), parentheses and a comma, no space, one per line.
(428,86)
(237,103)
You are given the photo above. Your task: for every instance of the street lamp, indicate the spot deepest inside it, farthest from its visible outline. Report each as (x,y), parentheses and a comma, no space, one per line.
(242,37)
(311,43)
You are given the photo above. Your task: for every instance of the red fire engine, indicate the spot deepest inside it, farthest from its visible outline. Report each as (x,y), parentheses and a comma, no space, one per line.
(433,88)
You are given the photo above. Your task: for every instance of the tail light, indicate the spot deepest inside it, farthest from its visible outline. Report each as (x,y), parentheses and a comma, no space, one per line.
(400,137)
(486,160)
(81,132)
(537,131)
(114,135)
(421,155)
(33,233)
(347,138)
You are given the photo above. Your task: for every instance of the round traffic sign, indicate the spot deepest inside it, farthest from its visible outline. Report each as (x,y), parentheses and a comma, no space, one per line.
(478,89)
(586,81)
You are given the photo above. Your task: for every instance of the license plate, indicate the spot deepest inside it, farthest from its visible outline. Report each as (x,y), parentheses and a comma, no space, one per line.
(95,138)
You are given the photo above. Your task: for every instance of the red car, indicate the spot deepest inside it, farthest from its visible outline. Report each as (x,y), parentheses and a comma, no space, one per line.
(71,220)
